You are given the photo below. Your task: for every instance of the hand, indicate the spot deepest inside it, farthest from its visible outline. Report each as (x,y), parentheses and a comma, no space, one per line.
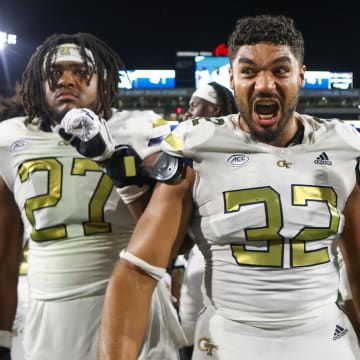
(125,168)
(89,134)
(83,123)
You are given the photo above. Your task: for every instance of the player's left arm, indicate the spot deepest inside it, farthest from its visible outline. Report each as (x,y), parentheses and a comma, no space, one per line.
(11,232)
(155,239)
(350,245)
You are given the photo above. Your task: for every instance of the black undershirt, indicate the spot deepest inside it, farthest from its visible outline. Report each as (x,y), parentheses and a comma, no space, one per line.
(297,138)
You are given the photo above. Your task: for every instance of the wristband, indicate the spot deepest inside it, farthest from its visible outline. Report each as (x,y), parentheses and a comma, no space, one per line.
(5,338)
(131,193)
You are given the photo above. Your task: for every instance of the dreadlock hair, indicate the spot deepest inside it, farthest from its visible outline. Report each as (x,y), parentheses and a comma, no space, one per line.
(273,29)
(106,64)
(224,98)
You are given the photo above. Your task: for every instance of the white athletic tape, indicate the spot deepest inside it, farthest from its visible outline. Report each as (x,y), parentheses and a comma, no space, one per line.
(154,271)
(131,193)
(5,338)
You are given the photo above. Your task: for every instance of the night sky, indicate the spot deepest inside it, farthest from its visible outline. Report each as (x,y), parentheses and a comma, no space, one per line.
(148,34)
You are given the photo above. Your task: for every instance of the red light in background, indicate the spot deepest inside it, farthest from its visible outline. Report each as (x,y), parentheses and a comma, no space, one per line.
(221,50)
(178,110)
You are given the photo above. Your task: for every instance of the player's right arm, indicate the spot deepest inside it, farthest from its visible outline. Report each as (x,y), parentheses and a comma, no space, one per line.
(10,252)
(157,236)
(350,245)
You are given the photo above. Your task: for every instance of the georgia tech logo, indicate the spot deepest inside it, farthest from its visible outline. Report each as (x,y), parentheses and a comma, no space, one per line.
(204,344)
(284,163)
(63,143)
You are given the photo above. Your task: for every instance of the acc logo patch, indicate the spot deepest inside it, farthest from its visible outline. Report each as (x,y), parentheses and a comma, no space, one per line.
(237,160)
(19,145)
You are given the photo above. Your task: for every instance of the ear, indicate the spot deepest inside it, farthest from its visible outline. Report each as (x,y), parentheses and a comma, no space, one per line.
(302,76)
(231,78)
(217,110)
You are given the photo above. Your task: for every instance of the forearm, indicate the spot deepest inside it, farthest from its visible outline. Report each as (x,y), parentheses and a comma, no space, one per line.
(10,251)
(125,313)
(138,206)
(8,299)
(8,302)
(355,291)
(353,316)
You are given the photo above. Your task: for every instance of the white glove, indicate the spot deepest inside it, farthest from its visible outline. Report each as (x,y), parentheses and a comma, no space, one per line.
(83,123)
(93,137)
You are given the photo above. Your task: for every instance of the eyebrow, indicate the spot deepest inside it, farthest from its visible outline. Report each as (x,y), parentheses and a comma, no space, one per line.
(281,59)
(73,65)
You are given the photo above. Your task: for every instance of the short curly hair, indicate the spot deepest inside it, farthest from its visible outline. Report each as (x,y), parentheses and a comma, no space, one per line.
(273,29)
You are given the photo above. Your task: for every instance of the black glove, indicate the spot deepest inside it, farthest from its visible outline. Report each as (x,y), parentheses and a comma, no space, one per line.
(4,353)
(87,132)
(90,149)
(125,168)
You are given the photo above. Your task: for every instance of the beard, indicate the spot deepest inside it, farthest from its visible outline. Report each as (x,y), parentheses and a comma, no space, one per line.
(51,118)
(269,134)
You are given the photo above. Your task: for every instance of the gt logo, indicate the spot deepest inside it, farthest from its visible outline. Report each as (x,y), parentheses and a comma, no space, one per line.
(205,345)
(284,163)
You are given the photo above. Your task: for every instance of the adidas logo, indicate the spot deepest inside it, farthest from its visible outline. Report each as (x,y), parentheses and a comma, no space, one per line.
(322,159)
(339,332)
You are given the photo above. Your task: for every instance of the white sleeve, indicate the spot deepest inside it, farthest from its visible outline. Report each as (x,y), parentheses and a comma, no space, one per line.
(344,286)
(191,295)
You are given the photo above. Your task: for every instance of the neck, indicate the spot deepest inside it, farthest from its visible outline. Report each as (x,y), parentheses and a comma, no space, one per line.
(290,133)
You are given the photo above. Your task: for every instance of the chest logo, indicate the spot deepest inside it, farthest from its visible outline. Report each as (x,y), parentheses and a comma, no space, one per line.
(237,160)
(284,163)
(323,159)
(205,345)
(19,145)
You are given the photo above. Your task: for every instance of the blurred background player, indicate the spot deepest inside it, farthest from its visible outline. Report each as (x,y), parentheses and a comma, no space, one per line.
(211,100)
(76,221)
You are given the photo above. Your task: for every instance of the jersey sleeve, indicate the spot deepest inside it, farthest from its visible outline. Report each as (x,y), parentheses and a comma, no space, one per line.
(11,142)
(344,286)
(184,140)
(143,130)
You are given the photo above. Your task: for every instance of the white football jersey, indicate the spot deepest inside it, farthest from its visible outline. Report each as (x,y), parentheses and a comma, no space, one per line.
(142,129)
(72,213)
(268,218)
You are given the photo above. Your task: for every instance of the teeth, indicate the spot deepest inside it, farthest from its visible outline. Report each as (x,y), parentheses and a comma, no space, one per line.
(265,117)
(265,102)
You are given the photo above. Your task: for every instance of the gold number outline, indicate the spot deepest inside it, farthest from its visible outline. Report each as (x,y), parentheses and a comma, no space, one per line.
(269,235)
(54,169)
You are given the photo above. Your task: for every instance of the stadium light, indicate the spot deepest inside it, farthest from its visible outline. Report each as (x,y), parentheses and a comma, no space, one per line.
(6,38)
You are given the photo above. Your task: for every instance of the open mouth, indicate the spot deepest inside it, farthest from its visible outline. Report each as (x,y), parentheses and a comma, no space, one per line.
(266,111)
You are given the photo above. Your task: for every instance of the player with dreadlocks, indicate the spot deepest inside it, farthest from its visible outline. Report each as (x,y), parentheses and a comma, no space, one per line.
(75,220)
(98,58)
